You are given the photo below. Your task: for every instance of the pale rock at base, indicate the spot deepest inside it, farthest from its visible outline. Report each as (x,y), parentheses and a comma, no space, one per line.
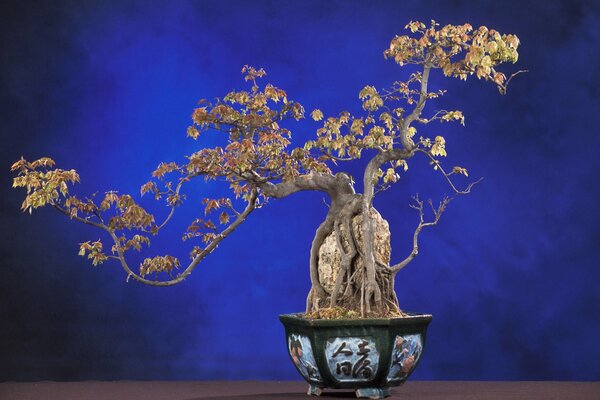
(330,256)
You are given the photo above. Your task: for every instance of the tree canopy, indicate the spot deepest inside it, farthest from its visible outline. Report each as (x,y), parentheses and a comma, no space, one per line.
(259,162)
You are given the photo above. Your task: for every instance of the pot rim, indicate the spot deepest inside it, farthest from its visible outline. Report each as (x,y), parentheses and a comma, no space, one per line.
(409,319)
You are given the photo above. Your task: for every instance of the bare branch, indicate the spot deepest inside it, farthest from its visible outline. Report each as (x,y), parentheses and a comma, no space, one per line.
(382,188)
(437,213)
(504,88)
(435,117)
(435,162)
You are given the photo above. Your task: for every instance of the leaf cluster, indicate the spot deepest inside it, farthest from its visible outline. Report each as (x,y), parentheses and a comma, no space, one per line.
(459,50)
(44,185)
(257,141)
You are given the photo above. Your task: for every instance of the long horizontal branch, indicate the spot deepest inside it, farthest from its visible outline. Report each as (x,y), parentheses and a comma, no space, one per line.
(334,185)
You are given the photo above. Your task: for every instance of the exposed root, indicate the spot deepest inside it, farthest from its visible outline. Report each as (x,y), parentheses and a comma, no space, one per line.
(317,293)
(343,232)
(344,313)
(360,288)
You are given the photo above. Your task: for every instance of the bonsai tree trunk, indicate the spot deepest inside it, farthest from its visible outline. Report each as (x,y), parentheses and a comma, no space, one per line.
(355,274)
(340,275)
(340,264)
(342,279)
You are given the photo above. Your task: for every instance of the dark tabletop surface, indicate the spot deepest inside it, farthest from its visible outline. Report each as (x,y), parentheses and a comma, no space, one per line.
(234,390)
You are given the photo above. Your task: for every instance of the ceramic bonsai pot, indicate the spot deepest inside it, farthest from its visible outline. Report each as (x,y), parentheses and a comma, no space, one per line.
(365,355)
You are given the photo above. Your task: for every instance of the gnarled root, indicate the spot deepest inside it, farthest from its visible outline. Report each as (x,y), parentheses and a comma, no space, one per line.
(343,233)
(317,294)
(360,285)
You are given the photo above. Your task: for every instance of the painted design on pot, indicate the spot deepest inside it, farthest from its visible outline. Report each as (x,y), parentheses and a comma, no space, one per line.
(407,350)
(303,357)
(352,359)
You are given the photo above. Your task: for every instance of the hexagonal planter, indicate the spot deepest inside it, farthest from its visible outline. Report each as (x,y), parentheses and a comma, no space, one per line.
(365,355)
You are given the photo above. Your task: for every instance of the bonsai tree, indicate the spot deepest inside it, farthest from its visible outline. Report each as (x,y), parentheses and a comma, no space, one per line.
(350,270)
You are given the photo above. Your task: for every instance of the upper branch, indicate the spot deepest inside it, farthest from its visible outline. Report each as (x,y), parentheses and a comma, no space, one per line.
(416,113)
(377,161)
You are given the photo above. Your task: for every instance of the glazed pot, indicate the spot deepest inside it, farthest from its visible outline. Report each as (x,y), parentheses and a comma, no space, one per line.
(365,355)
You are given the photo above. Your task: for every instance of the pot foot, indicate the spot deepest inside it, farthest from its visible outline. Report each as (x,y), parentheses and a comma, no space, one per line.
(314,390)
(372,393)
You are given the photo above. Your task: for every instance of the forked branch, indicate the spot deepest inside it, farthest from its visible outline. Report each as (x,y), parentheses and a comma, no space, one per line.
(439,167)
(437,213)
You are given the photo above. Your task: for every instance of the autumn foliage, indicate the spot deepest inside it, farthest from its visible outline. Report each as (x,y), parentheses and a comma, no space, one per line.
(258,163)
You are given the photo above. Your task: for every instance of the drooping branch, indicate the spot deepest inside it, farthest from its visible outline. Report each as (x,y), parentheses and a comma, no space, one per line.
(201,255)
(197,259)
(437,213)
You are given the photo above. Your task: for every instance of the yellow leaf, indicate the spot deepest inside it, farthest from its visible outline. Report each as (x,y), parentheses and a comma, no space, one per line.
(438,148)
(357,126)
(193,132)
(390,176)
(460,170)
(403,164)
(316,115)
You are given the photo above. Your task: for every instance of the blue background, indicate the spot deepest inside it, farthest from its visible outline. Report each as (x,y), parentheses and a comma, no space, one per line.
(511,273)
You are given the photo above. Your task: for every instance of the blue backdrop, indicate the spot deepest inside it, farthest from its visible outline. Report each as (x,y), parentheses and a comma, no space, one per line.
(510,274)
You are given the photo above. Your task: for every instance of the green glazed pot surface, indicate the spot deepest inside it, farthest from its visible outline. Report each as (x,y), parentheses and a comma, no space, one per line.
(355,354)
